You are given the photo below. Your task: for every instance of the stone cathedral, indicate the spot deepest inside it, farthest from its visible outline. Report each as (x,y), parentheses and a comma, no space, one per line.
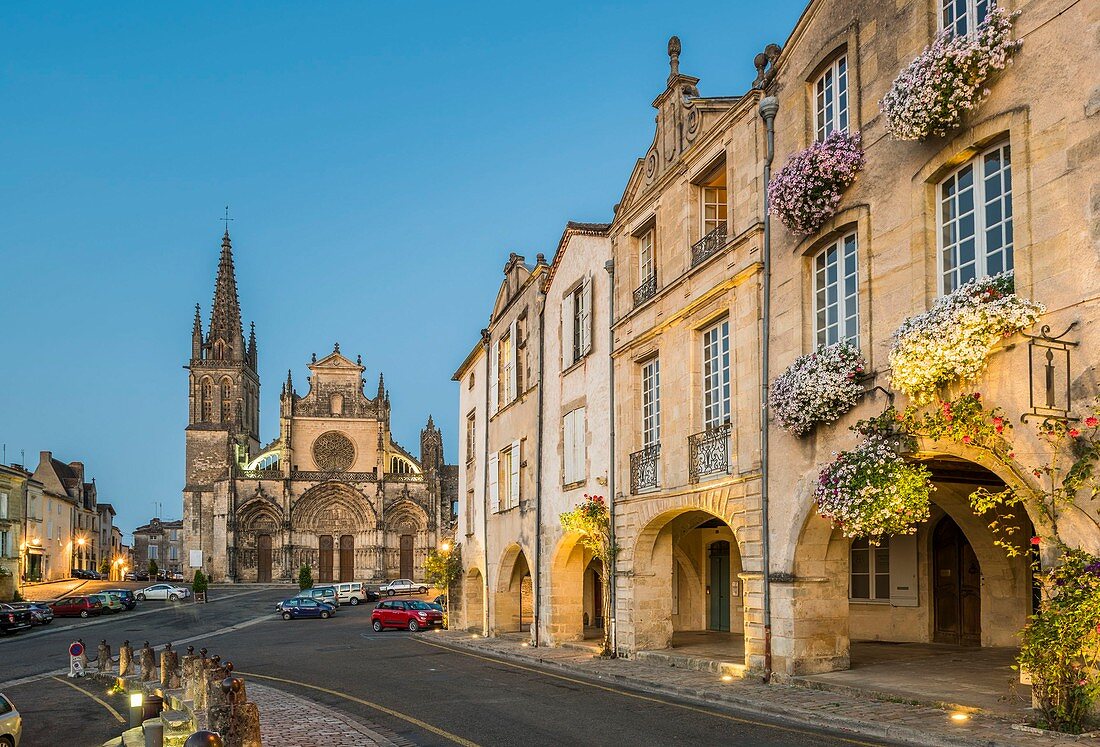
(333,491)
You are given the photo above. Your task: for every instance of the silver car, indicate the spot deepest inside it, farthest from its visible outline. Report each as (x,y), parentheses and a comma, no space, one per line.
(11,723)
(402,586)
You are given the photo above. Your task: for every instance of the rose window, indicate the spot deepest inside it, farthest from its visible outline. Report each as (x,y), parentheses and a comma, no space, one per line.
(333,451)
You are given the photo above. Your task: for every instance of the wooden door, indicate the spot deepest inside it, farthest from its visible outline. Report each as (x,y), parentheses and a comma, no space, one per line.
(719,618)
(347,558)
(406,556)
(263,558)
(956,587)
(324,570)
(597,599)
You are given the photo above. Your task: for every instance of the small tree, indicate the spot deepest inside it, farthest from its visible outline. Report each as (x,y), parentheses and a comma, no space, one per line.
(441,569)
(305,577)
(153,569)
(198,586)
(105,567)
(592,521)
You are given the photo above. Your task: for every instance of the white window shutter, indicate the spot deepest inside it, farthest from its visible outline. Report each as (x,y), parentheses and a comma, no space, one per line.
(567,449)
(513,496)
(494,492)
(579,470)
(567,322)
(515,361)
(903,570)
(586,316)
(494,375)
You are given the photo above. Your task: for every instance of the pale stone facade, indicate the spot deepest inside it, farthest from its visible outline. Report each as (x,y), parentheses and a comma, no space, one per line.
(70,517)
(334,491)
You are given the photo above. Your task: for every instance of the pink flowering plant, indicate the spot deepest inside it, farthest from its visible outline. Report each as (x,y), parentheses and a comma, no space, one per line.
(591,519)
(952,340)
(806,191)
(872,491)
(818,387)
(931,95)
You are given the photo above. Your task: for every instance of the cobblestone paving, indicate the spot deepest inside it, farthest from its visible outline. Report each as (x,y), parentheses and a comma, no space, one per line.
(290,721)
(897,721)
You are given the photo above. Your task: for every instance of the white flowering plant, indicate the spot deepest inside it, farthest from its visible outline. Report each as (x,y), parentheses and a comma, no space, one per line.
(952,340)
(806,191)
(931,96)
(871,491)
(818,387)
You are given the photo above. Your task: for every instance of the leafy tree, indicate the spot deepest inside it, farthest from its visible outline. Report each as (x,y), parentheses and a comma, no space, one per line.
(105,567)
(198,586)
(442,568)
(153,569)
(592,521)
(305,577)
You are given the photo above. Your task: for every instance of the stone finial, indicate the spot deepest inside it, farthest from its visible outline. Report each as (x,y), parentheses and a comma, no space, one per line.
(673,56)
(313,358)
(336,347)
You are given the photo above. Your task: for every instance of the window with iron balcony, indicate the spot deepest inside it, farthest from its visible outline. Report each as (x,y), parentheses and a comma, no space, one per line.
(713,212)
(647,267)
(708,450)
(645,463)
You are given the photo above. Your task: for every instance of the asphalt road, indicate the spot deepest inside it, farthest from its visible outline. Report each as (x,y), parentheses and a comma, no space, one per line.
(403,682)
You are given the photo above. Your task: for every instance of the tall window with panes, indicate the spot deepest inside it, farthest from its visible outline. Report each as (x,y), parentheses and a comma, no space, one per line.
(831,99)
(471,437)
(578,308)
(714,208)
(647,259)
(962,17)
(870,570)
(836,293)
(975,219)
(716,375)
(651,403)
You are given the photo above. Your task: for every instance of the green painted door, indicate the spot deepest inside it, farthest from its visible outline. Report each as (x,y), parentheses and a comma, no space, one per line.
(719,618)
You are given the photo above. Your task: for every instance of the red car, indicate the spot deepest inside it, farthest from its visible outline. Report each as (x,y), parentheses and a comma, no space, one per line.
(76,607)
(404,613)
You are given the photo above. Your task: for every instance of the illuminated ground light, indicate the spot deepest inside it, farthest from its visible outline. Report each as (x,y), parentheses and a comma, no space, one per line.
(727,678)
(960,717)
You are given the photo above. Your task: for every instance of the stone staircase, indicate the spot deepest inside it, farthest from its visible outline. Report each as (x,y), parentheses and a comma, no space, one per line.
(698,663)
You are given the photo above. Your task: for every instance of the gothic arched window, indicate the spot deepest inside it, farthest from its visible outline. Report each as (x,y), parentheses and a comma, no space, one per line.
(227,400)
(219,351)
(206,401)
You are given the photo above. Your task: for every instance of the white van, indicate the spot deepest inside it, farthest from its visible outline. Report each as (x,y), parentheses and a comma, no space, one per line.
(353,592)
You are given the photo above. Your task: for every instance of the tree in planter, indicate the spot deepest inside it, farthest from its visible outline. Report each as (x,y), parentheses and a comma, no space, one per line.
(592,521)
(441,569)
(198,586)
(305,577)
(153,570)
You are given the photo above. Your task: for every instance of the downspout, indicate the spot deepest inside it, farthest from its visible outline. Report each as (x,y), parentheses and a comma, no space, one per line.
(485,494)
(769,106)
(609,265)
(537,586)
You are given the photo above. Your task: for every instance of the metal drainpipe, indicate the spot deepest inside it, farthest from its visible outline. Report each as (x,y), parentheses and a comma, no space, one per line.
(609,265)
(769,106)
(538,478)
(485,493)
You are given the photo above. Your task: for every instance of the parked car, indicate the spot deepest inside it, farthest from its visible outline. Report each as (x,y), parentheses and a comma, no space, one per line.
(175,576)
(77,607)
(441,601)
(354,592)
(163,591)
(326,594)
(126,596)
(41,614)
(402,586)
(11,723)
(85,574)
(404,613)
(297,607)
(137,576)
(110,602)
(12,619)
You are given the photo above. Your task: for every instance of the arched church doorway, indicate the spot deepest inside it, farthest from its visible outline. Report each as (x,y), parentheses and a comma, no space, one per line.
(324,558)
(347,558)
(263,558)
(406,561)
(956,586)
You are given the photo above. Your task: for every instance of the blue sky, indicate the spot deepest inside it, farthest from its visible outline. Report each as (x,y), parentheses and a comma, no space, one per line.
(380,161)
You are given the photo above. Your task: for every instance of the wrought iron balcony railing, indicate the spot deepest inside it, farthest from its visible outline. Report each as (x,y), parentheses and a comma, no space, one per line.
(644,469)
(709,452)
(709,244)
(646,290)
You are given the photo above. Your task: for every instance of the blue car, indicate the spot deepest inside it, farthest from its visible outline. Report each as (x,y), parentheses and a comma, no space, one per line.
(304,607)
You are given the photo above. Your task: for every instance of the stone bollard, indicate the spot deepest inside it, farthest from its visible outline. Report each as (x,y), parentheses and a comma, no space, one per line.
(187,673)
(103,658)
(125,660)
(169,668)
(148,662)
(236,719)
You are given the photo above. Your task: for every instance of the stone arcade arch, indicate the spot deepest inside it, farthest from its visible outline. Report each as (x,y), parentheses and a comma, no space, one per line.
(513,594)
(473,599)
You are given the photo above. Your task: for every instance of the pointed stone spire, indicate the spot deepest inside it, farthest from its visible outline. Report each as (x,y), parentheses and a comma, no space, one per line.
(252,359)
(431,423)
(225,316)
(196,336)
(381,386)
(289,383)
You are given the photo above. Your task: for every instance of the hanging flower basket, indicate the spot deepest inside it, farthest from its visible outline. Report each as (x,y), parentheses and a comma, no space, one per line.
(818,387)
(871,491)
(931,95)
(952,340)
(806,191)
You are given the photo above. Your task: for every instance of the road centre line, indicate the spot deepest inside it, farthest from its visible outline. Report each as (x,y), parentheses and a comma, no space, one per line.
(639,696)
(96,698)
(389,711)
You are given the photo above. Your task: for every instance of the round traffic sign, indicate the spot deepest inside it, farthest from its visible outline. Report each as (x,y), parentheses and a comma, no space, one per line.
(76,648)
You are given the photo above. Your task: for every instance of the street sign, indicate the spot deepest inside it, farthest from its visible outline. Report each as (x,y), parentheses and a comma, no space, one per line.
(76,661)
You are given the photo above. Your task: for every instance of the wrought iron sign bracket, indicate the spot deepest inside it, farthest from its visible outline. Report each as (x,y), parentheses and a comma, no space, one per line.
(884,390)
(1042,351)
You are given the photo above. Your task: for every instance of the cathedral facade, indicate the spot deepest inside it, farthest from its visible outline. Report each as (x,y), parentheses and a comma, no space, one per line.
(333,490)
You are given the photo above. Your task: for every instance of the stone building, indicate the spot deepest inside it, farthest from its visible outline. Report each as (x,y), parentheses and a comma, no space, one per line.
(13,499)
(333,490)
(161,542)
(71,518)
(106,524)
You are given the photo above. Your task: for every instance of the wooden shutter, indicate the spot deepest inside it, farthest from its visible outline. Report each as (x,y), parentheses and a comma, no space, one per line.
(903,570)
(494,492)
(578,444)
(567,331)
(513,495)
(494,375)
(512,328)
(586,316)
(567,447)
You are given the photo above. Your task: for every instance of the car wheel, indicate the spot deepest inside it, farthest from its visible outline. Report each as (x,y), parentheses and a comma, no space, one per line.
(377,625)
(391,592)
(423,589)
(354,601)
(414,626)
(286,615)
(6,742)
(174,597)
(139,597)
(83,613)
(324,614)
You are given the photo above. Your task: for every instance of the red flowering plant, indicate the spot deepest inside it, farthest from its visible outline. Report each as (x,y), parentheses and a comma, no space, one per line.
(591,519)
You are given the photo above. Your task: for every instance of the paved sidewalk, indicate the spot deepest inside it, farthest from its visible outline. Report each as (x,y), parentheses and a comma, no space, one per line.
(292,721)
(902,722)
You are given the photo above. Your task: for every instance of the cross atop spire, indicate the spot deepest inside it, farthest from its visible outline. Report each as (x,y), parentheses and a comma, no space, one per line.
(226,220)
